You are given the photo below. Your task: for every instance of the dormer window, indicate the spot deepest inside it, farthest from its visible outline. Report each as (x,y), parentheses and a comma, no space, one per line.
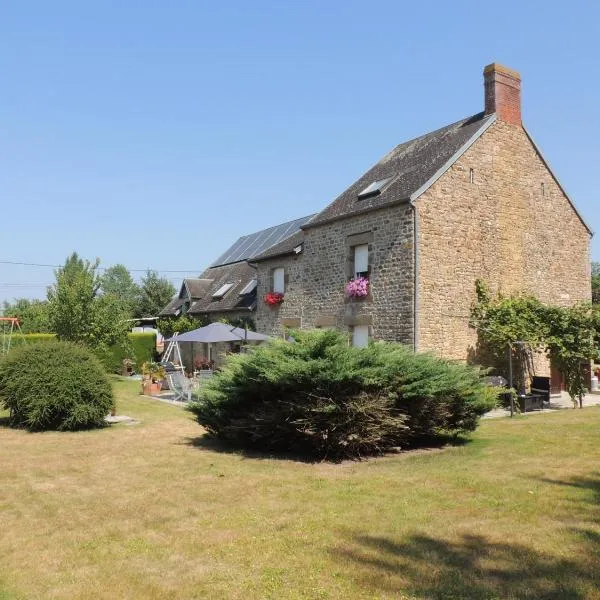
(374,189)
(222,291)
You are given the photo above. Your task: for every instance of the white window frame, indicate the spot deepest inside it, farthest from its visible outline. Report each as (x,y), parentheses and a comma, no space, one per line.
(361,260)
(222,291)
(248,288)
(360,336)
(279,280)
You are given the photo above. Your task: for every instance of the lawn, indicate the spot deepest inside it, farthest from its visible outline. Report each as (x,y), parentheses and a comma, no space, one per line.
(154,511)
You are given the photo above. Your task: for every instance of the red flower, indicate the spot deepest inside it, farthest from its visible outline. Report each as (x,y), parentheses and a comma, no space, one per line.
(273,298)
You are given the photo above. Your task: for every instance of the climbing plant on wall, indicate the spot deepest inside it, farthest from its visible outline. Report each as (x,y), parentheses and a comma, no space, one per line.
(570,335)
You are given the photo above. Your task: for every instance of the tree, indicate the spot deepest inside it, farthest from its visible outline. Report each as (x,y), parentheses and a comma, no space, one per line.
(78,313)
(117,281)
(596,282)
(33,315)
(170,325)
(573,338)
(71,299)
(155,294)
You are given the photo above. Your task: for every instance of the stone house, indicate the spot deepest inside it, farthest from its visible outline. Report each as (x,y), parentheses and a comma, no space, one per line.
(473,200)
(227,289)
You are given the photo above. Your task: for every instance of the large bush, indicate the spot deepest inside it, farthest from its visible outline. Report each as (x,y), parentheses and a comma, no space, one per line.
(321,398)
(54,385)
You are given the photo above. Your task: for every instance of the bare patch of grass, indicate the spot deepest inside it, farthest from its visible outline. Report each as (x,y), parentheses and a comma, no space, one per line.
(139,512)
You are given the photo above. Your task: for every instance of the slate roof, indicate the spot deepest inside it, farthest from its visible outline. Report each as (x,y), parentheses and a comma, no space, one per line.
(240,274)
(412,165)
(171,309)
(197,287)
(249,246)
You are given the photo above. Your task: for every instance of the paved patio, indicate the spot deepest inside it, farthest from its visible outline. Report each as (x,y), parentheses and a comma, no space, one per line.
(556,403)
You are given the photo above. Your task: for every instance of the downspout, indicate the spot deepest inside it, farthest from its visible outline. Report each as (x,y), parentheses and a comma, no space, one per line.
(416,265)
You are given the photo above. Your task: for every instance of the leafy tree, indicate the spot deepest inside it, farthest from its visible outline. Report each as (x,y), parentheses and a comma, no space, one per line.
(78,313)
(170,325)
(155,294)
(33,315)
(117,281)
(573,338)
(71,299)
(596,282)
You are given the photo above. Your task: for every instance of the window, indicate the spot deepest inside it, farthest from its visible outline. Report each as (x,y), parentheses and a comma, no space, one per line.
(361,260)
(374,188)
(471,176)
(543,189)
(250,287)
(279,280)
(360,336)
(222,291)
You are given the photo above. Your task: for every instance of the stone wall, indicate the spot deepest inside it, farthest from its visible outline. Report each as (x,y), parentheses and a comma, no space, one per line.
(512,226)
(315,291)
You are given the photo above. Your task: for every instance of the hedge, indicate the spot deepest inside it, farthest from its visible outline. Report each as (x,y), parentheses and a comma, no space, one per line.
(142,347)
(32,338)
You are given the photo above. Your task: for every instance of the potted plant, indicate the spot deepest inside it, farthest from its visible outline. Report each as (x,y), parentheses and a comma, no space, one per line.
(152,375)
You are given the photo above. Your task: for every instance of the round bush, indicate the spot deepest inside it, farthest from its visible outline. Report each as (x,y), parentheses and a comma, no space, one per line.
(321,398)
(57,385)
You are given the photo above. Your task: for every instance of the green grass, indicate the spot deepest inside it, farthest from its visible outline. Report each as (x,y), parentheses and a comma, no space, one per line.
(154,511)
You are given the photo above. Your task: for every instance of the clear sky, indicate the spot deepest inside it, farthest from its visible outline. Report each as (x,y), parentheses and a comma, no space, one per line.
(155,133)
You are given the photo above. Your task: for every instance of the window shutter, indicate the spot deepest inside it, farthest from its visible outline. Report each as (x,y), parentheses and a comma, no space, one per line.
(360,336)
(279,280)
(361,259)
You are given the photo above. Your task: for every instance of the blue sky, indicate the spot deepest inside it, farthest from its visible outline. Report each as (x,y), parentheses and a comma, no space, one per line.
(154,134)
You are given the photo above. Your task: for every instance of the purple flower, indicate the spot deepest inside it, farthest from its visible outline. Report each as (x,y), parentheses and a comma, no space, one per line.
(358,287)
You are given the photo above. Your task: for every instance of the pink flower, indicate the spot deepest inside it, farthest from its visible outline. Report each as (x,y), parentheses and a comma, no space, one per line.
(358,287)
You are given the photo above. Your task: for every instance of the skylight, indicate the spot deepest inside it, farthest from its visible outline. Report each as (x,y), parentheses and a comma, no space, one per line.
(248,288)
(375,188)
(222,291)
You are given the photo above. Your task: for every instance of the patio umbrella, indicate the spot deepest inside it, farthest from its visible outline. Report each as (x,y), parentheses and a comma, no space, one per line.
(219,332)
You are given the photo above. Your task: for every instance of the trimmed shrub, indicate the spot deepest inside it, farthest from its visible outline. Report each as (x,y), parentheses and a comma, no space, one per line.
(57,385)
(321,398)
(141,348)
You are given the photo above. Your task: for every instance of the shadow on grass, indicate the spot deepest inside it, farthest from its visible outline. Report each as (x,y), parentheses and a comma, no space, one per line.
(5,421)
(476,567)
(471,567)
(214,444)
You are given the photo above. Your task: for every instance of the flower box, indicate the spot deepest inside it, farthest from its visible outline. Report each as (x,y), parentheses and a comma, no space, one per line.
(273,298)
(357,287)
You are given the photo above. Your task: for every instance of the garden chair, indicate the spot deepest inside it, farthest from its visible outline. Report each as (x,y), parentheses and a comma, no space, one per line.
(181,386)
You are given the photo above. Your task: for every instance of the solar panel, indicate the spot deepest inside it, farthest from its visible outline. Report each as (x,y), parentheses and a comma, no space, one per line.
(249,246)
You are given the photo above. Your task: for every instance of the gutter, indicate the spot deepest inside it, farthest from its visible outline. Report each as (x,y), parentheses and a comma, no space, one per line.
(416,268)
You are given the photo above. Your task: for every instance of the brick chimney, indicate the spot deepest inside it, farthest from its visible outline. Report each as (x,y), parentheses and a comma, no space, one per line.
(502,93)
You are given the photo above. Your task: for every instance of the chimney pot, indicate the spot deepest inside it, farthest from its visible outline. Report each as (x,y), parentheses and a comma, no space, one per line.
(502,93)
